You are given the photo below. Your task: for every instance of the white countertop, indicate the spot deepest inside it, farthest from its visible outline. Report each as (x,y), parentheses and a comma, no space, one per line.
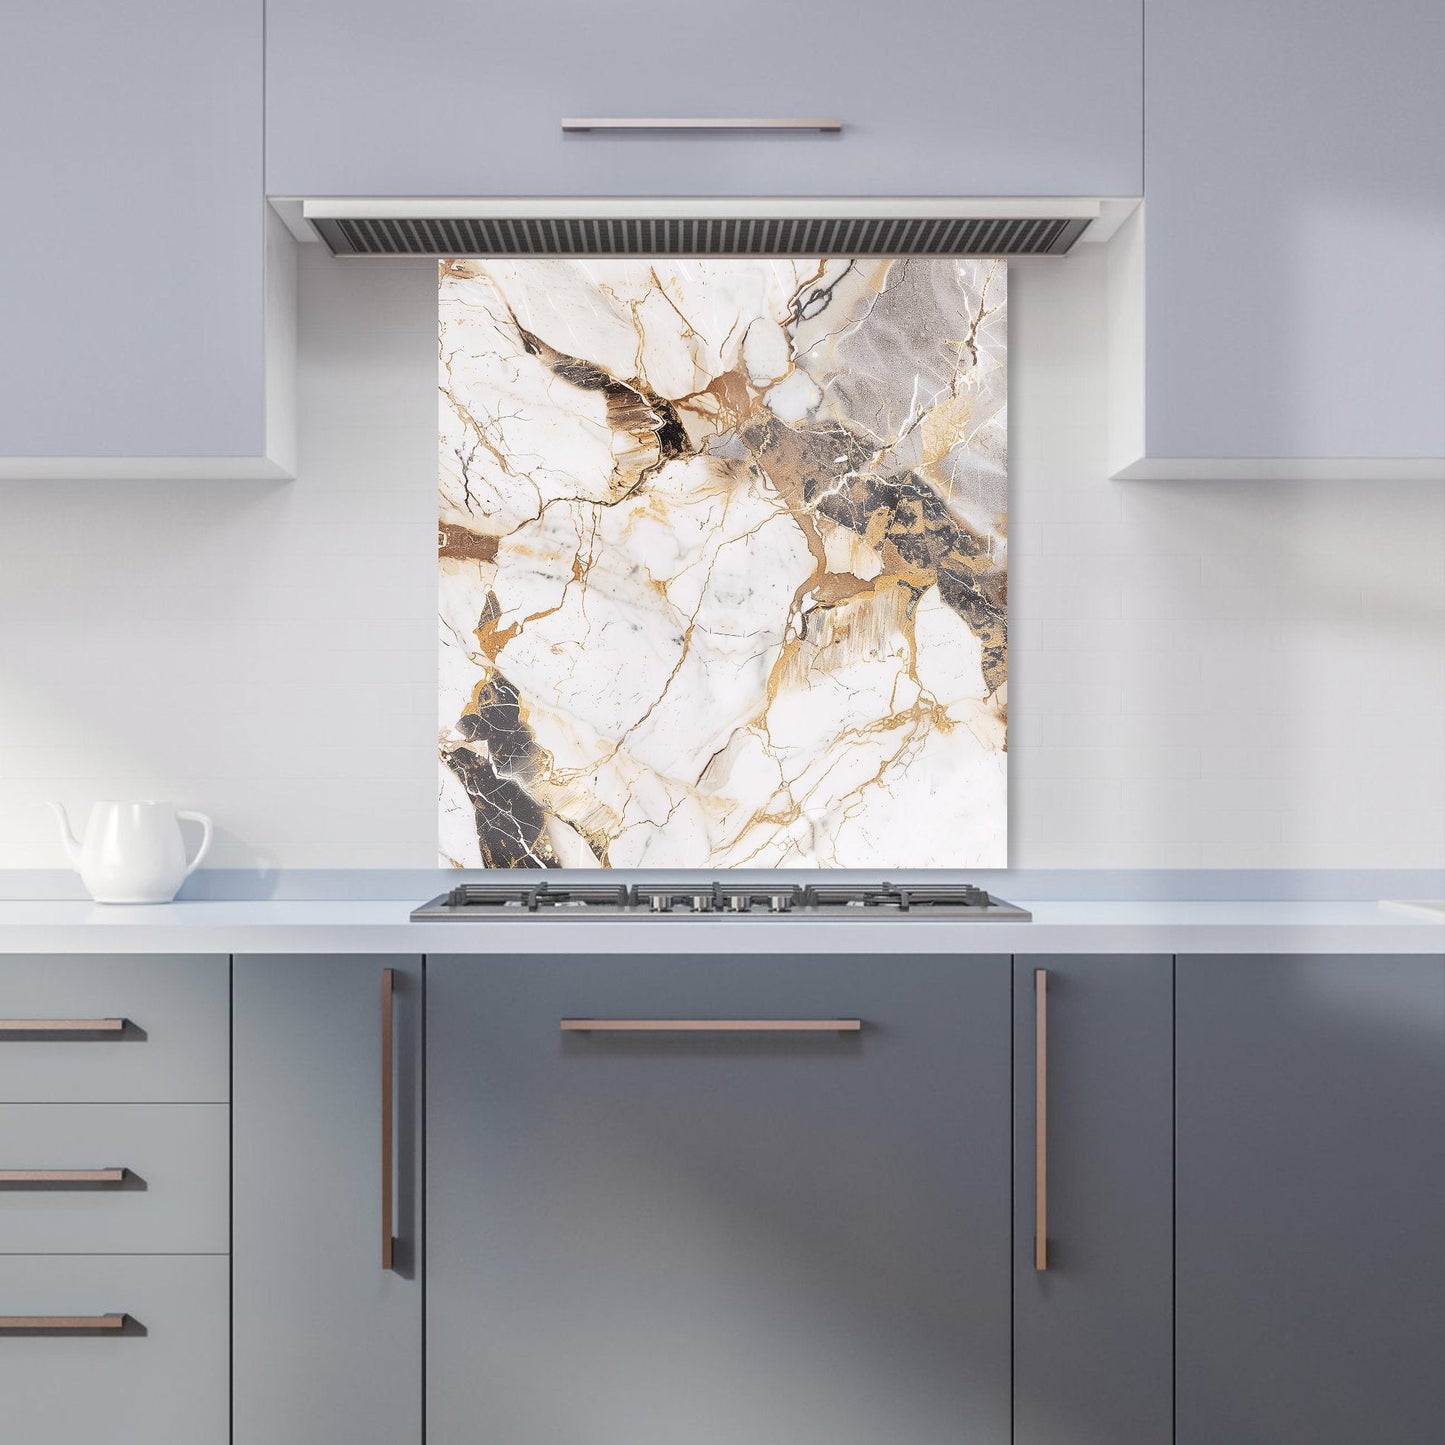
(382,927)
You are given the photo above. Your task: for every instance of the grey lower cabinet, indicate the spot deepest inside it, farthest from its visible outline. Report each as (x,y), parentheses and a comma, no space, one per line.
(326,1339)
(1310,1195)
(114,1193)
(1093,1357)
(640,1235)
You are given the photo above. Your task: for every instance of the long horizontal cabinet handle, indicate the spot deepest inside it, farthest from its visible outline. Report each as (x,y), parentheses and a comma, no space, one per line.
(711,1026)
(63,1176)
(81,1028)
(736,125)
(70,1324)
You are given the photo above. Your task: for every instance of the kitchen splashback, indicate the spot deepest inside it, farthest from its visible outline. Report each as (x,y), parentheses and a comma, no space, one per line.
(723,563)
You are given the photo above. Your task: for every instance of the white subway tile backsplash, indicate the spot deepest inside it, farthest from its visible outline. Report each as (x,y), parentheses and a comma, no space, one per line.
(1066,496)
(1115,760)
(1224,674)
(1039,591)
(1057,538)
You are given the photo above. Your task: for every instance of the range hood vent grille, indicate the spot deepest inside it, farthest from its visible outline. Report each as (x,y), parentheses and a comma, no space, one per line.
(839,235)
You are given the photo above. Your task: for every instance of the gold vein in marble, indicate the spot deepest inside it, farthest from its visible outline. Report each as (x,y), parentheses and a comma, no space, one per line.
(723,552)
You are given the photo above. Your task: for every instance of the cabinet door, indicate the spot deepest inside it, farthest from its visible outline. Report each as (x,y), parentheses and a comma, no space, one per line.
(327,1342)
(136,268)
(1294,238)
(1093,1358)
(942,97)
(641,1238)
(1311,1189)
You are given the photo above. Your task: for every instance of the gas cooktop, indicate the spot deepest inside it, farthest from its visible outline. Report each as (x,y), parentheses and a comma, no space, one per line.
(544,899)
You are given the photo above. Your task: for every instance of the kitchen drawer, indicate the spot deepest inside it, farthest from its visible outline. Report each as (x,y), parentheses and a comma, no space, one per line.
(173,1049)
(172,1199)
(162,1378)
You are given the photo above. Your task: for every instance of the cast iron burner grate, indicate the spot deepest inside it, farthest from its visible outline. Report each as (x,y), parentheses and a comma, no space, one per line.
(888,896)
(535,896)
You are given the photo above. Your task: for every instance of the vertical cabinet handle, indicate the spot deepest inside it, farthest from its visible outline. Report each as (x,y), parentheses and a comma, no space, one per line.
(1041,1118)
(388,1120)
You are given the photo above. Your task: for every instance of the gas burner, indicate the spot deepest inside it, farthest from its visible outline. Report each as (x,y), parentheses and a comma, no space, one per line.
(670,900)
(715,899)
(749,898)
(724,898)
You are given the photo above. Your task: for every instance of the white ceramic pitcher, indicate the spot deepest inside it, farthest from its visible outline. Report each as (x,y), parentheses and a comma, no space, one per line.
(133,852)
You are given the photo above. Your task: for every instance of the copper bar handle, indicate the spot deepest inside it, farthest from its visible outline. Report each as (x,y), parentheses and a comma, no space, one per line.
(63,1176)
(80,1324)
(388,1119)
(86,1028)
(711,1026)
(1041,1119)
(736,125)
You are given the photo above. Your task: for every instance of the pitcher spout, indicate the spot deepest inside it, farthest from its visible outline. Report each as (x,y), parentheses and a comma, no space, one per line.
(68,840)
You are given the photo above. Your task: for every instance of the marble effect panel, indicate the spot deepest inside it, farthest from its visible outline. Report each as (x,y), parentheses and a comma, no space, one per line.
(723,563)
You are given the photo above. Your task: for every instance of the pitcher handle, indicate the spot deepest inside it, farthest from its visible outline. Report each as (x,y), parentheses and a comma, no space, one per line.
(201,852)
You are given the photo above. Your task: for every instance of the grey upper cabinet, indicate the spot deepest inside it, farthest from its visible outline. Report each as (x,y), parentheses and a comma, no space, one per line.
(147,308)
(327,1342)
(1311,1189)
(1093,1354)
(636,1238)
(1287,303)
(939,97)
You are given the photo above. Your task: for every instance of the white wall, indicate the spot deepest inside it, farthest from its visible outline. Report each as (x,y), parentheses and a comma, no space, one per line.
(1215,675)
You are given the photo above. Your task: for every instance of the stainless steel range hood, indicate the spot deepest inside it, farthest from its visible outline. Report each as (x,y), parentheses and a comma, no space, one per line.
(812,226)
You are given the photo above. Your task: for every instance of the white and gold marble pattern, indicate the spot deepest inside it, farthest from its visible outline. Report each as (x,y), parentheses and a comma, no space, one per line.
(723,563)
